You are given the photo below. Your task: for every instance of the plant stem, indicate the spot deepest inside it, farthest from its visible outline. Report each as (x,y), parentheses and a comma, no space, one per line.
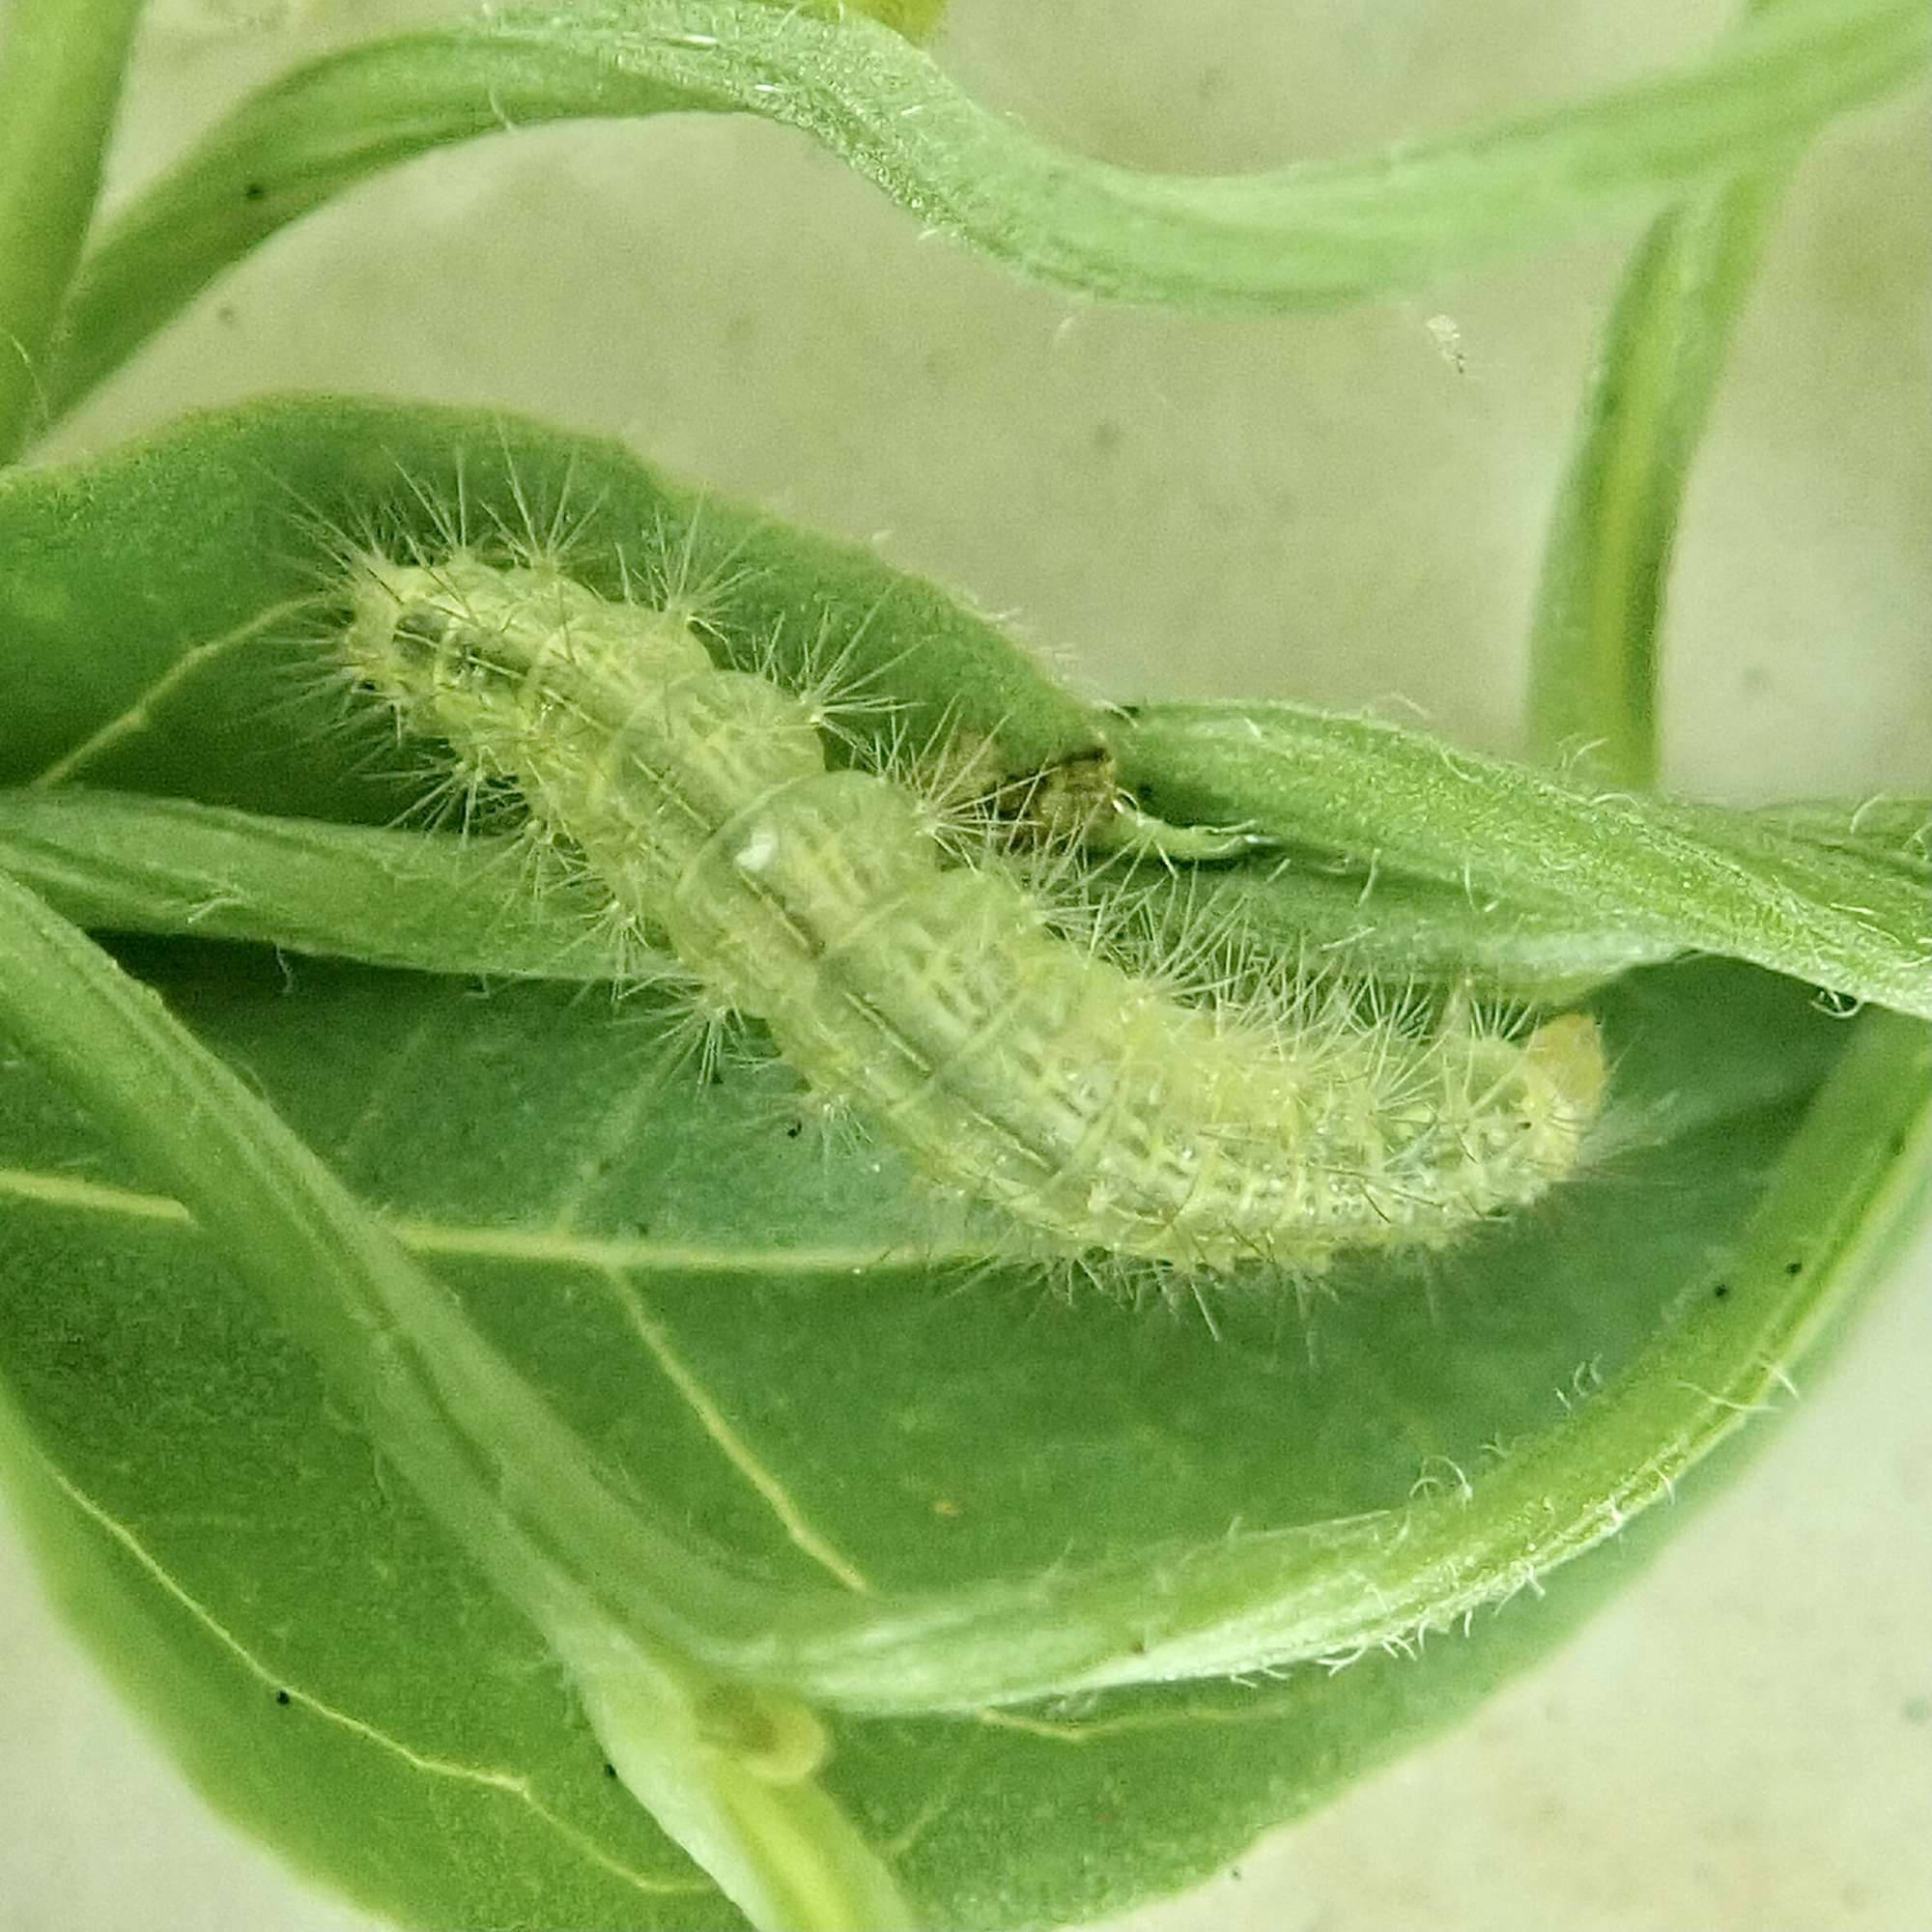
(61,65)
(1594,653)
(1641,868)
(1594,640)
(1311,231)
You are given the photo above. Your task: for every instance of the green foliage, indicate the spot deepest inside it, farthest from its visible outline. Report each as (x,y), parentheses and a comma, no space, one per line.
(655,1258)
(225,533)
(1423,858)
(532,1485)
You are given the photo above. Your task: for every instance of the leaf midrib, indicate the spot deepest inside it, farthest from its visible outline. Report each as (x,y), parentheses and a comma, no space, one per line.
(559,1247)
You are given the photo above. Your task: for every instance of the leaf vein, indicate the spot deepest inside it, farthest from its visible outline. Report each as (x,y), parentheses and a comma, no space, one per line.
(555,1246)
(508,1783)
(139,714)
(731,1444)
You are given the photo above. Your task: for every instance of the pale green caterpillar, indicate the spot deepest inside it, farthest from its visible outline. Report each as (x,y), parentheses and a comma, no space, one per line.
(1094,1105)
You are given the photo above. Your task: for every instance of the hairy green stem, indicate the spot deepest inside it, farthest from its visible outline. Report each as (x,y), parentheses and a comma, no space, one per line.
(1651,870)
(119,862)
(1854,1177)
(1594,642)
(1306,232)
(60,83)
(116,862)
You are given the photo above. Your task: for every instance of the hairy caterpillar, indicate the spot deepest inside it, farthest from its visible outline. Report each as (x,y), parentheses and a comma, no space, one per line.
(1094,1105)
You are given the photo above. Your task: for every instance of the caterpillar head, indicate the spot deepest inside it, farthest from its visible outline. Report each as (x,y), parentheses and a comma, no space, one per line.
(460,647)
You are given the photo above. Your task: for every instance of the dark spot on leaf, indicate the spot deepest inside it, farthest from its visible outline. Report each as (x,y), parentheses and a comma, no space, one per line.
(283,1698)
(1794,1268)
(610,1771)
(1722,1289)
(793,1131)
(254,192)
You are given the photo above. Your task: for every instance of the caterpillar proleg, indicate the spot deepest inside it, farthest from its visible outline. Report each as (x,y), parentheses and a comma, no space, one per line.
(1088,1101)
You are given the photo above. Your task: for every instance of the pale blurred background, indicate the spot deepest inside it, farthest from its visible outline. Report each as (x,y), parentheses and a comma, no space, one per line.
(1345,508)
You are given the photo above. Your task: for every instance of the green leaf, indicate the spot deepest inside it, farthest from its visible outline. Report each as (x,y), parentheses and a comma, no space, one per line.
(832,1419)
(167,636)
(1308,231)
(758,1408)
(1895,830)
(123,862)
(1656,873)
(519,1495)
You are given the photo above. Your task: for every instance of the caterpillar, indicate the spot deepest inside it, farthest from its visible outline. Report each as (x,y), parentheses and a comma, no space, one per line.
(1097,1106)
